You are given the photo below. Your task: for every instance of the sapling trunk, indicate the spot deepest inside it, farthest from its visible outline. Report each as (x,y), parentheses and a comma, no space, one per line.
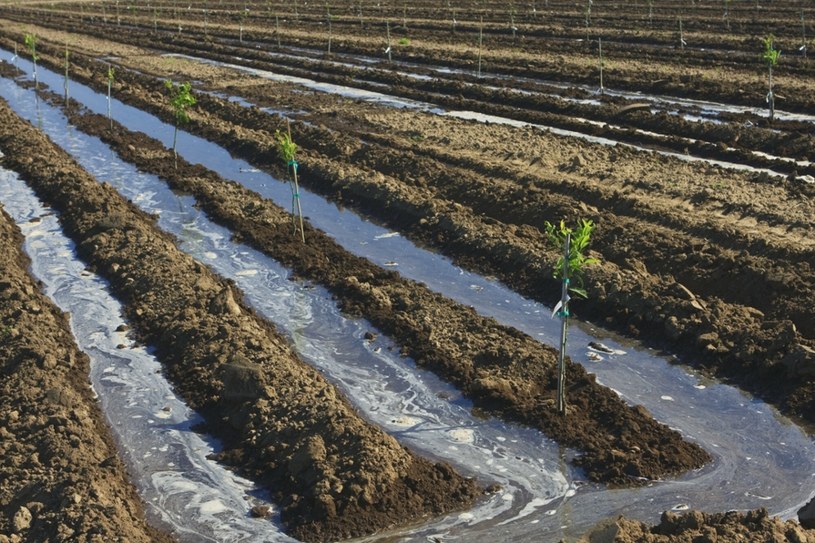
(600,60)
(277,29)
(328,17)
(682,42)
(389,50)
(803,35)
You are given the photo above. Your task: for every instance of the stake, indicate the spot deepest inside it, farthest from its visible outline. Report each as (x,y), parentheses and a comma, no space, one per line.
(328,15)
(277,29)
(480,42)
(564,316)
(681,35)
(600,49)
(389,50)
(67,65)
(803,35)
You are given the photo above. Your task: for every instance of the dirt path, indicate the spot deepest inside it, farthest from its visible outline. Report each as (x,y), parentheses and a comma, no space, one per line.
(60,476)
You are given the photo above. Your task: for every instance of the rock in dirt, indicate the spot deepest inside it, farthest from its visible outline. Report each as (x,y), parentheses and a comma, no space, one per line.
(22,519)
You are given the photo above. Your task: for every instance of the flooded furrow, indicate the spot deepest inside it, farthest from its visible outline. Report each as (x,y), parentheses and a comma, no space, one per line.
(761,459)
(398,102)
(195,497)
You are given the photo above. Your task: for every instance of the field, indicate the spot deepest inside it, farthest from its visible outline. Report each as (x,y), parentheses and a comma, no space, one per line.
(355,388)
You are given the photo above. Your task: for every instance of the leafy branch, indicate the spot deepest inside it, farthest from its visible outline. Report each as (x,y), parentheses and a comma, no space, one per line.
(578,261)
(181,99)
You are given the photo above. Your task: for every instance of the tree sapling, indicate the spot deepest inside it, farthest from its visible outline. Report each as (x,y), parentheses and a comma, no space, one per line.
(287,150)
(569,268)
(181,99)
(30,41)
(770,57)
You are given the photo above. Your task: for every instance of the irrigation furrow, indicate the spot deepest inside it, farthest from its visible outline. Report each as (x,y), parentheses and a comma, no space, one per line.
(735,330)
(223,360)
(548,521)
(195,498)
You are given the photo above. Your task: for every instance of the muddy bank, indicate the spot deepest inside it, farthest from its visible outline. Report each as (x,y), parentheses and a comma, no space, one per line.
(696,527)
(333,475)
(61,478)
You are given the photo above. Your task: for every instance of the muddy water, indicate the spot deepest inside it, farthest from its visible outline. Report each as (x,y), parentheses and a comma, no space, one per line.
(761,460)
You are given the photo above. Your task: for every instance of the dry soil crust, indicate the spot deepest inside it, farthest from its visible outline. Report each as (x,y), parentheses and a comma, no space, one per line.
(60,476)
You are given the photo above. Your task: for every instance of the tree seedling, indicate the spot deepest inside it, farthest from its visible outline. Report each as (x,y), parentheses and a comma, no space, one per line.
(30,41)
(287,150)
(111,76)
(770,57)
(181,99)
(569,268)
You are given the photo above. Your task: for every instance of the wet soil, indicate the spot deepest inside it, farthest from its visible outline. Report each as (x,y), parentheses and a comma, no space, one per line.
(335,475)
(702,261)
(61,478)
(505,373)
(705,262)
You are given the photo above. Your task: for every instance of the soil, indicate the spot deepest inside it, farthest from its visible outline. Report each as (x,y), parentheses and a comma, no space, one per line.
(281,422)
(695,527)
(711,264)
(61,478)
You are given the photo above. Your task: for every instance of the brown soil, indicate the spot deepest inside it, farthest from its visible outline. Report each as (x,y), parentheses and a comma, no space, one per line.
(60,476)
(695,527)
(281,421)
(708,263)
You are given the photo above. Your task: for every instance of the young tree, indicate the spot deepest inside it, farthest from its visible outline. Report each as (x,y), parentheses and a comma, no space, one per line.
(569,268)
(181,99)
(770,57)
(287,150)
(30,41)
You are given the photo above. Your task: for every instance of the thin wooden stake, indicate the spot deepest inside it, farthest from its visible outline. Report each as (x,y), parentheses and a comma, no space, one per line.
(564,316)
(480,43)
(600,49)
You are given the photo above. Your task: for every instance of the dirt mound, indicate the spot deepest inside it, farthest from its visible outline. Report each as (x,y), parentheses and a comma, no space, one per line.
(60,476)
(695,527)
